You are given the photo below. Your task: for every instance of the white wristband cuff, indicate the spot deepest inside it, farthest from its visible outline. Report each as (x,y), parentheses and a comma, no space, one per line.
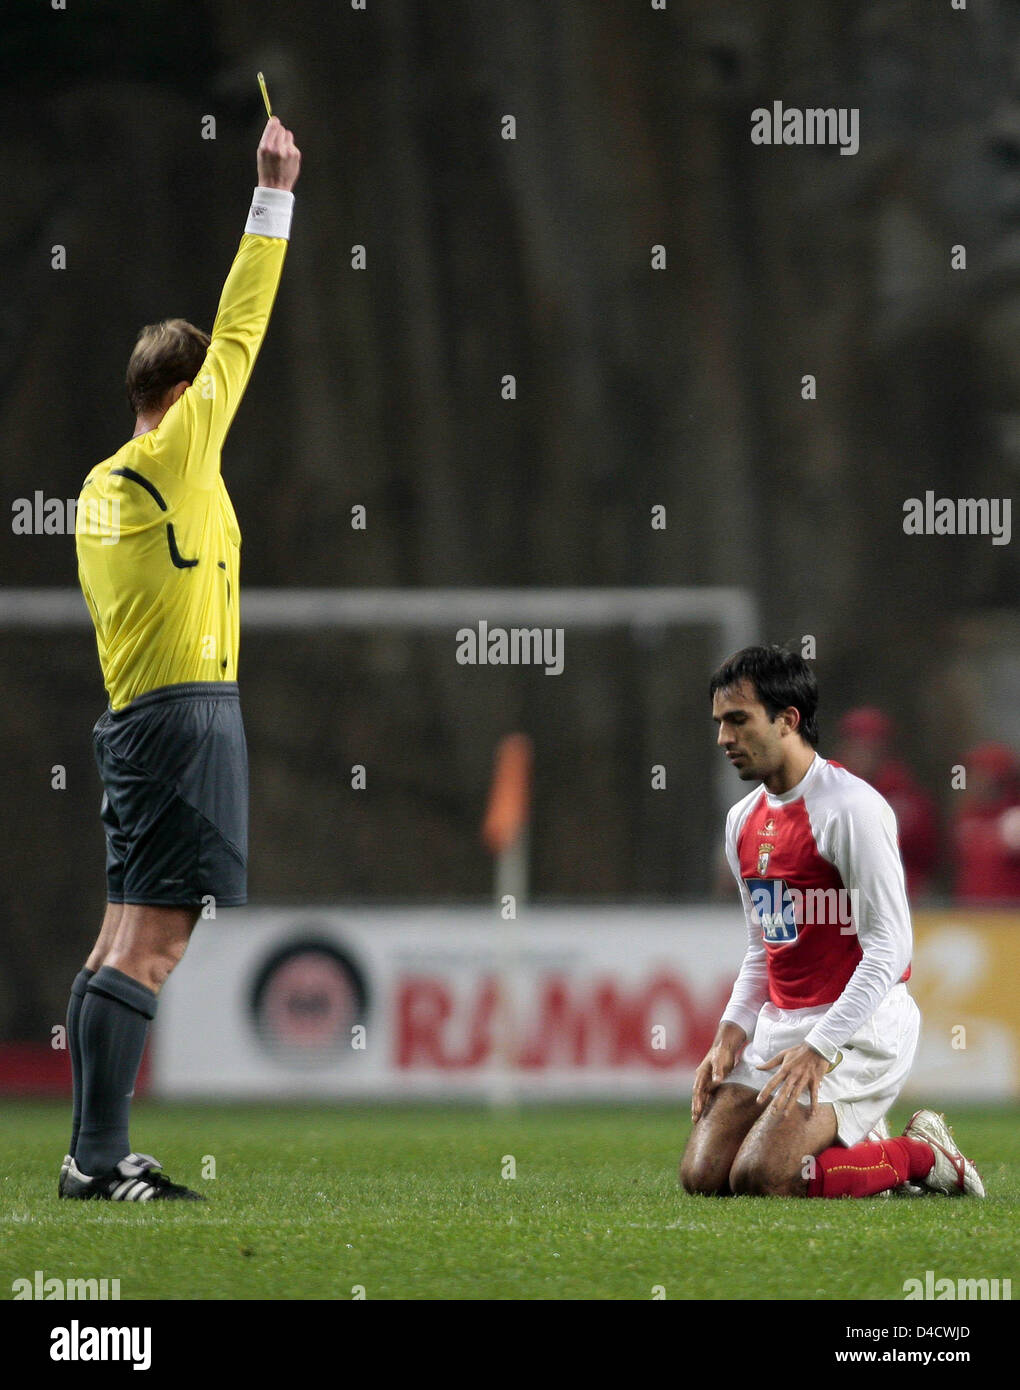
(821,1044)
(270,213)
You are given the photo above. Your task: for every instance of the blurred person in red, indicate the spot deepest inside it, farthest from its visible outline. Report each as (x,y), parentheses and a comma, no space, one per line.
(865,738)
(986,828)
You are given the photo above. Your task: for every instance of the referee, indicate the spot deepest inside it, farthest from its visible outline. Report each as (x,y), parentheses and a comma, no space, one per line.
(163,595)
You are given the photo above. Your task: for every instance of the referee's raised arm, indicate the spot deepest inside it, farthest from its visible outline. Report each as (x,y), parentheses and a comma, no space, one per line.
(192,432)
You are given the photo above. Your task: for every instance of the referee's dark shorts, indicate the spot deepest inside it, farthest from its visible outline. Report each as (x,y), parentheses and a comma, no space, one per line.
(174,765)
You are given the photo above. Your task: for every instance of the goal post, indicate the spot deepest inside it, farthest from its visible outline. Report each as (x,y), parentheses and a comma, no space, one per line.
(730,611)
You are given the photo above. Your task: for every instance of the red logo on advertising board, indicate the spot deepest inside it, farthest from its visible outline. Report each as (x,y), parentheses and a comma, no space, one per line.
(577,1024)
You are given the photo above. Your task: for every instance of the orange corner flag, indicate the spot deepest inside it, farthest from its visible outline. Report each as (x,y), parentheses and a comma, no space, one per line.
(510,793)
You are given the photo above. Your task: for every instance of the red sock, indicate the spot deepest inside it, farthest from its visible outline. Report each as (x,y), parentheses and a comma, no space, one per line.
(869,1167)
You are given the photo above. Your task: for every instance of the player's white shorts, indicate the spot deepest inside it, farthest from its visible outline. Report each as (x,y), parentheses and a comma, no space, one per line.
(865,1081)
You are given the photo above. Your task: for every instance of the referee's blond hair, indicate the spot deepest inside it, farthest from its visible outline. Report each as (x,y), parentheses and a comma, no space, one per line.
(164,354)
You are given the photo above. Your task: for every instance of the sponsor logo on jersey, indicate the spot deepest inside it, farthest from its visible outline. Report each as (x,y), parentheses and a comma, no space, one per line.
(773,909)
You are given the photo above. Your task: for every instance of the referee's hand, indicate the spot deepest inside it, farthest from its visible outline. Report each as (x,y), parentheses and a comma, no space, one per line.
(279,159)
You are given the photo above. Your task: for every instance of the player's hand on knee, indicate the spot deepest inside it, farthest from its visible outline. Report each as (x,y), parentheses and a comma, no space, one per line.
(719,1061)
(278,159)
(703,1088)
(801,1069)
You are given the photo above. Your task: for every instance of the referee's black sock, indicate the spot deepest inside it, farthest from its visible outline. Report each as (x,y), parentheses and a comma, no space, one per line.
(73,1014)
(114,1021)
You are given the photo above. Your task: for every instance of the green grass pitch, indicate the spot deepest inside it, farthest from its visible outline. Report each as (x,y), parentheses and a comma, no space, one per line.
(411,1203)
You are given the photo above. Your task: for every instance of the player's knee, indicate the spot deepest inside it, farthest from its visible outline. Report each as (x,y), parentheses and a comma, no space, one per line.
(757,1176)
(164,960)
(741,1176)
(700,1185)
(751,1177)
(701,1179)
(151,965)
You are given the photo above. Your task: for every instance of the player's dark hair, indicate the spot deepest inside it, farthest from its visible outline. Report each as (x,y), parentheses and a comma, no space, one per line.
(164,354)
(779,679)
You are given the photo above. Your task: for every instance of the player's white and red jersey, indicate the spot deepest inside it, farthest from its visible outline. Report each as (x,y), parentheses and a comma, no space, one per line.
(822,884)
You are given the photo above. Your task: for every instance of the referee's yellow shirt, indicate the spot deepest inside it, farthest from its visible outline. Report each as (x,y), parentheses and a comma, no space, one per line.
(157,540)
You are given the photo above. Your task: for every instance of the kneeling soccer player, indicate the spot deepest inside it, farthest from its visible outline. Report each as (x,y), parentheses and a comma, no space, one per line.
(162,589)
(820,1031)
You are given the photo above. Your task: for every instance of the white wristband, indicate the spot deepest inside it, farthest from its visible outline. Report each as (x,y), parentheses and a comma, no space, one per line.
(822,1045)
(270,213)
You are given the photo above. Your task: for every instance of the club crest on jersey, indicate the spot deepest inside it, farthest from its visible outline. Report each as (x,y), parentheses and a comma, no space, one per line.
(763,858)
(774,910)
